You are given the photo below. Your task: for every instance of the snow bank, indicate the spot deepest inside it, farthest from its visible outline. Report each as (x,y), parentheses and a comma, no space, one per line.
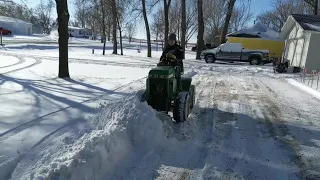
(100,146)
(305,88)
(54,35)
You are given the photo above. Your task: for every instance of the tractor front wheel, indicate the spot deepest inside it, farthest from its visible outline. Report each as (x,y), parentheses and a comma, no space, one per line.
(181,107)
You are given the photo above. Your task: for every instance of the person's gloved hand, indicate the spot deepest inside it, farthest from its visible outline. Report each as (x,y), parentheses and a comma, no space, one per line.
(171,57)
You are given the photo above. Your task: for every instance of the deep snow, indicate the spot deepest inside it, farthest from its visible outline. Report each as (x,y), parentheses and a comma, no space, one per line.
(248,123)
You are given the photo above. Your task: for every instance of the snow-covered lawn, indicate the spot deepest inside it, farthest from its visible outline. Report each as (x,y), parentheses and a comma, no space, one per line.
(248,123)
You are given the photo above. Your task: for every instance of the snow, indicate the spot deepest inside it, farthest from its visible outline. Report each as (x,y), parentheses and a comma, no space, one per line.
(313,27)
(260,30)
(14,20)
(305,88)
(247,123)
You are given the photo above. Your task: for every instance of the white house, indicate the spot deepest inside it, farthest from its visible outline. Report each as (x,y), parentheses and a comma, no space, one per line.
(17,26)
(302,41)
(79,32)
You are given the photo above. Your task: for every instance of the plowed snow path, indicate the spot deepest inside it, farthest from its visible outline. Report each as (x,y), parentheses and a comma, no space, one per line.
(241,128)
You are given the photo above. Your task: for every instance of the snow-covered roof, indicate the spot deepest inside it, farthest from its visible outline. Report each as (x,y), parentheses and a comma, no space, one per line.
(257,30)
(10,19)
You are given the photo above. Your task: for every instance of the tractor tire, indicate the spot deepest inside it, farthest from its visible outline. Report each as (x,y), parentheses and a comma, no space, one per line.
(181,107)
(192,92)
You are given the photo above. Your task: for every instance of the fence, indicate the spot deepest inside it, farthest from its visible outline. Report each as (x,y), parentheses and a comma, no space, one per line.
(311,79)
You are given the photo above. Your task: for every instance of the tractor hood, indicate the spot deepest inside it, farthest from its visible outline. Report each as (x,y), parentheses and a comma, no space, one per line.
(161,72)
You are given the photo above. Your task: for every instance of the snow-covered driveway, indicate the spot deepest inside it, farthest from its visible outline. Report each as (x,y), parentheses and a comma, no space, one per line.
(242,128)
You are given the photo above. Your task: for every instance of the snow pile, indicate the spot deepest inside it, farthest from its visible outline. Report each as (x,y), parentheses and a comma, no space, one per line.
(305,88)
(108,143)
(54,35)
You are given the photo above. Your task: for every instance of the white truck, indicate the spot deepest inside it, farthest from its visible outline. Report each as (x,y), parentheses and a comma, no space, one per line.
(235,52)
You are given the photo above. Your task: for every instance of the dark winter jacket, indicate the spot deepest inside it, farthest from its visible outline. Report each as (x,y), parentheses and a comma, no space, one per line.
(175,49)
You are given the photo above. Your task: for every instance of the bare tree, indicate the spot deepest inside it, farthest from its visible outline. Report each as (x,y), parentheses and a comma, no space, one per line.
(63,19)
(157,26)
(43,15)
(114,26)
(241,16)
(227,21)
(103,25)
(145,17)
(191,19)
(183,25)
(276,17)
(81,12)
(314,4)
(214,14)
(166,4)
(131,30)
(158,22)
(200,41)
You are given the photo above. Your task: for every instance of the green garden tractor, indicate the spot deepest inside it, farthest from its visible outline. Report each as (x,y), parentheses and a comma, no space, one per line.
(164,94)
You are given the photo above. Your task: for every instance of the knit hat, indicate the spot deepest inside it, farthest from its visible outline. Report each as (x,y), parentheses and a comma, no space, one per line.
(173,37)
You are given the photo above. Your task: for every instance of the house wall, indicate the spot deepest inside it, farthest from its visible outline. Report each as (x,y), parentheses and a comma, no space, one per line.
(17,28)
(313,56)
(80,32)
(295,41)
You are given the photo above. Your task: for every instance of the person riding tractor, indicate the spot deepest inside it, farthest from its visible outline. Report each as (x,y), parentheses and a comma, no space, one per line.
(175,54)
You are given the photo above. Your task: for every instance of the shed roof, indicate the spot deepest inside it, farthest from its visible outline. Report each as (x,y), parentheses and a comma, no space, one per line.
(11,19)
(308,22)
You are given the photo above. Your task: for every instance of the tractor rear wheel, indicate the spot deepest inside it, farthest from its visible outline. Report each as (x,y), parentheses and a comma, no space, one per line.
(181,107)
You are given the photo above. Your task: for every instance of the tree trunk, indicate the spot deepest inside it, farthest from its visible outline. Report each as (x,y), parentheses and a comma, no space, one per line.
(63,20)
(103,27)
(200,41)
(114,27)
(183,26)
(227,21)
(145,17)
(109,29)
(315,9)
(120,34)
(166,20)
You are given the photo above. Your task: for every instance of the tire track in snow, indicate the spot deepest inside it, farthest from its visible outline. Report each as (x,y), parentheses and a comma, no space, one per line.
(240,150)
(30,123)
(21,61)
(281,132)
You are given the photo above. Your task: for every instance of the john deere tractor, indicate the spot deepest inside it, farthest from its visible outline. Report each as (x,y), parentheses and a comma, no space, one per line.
(163,92)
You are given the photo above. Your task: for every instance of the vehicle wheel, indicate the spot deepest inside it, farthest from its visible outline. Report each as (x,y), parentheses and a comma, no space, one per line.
(181,107)
(255,60)
(192,96)
(209,59)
